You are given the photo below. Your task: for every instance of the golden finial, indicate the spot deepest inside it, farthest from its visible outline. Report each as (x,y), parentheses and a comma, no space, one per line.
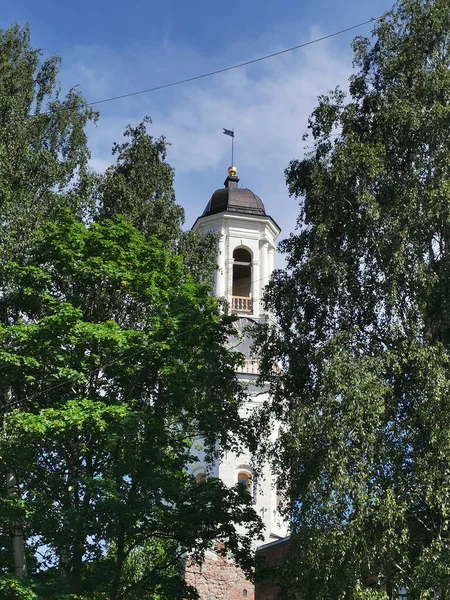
(232,171)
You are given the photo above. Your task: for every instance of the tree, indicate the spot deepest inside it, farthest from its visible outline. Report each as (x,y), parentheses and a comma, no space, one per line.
(69,340)
(43,161)
(140,187)
(115,364)
(363,324)
(43,146)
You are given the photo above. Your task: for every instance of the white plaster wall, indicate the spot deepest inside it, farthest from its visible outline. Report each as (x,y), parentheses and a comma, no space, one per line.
(258,235)
(228,468)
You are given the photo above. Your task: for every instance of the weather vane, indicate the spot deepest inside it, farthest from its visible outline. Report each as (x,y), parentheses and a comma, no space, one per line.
(230,132)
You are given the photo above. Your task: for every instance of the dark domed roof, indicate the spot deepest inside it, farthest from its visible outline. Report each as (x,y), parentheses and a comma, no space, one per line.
(234,199)
(239,200)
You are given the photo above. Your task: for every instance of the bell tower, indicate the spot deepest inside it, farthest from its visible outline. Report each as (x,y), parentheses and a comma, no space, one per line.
(246,245)
(245,258)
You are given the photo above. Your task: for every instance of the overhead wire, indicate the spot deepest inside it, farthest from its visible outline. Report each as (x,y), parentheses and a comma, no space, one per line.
(233,67)
(219,71)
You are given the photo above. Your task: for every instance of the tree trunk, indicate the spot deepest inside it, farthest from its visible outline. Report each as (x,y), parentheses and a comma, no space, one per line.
(12,491)
(17,539)
(115,586)
(76,566)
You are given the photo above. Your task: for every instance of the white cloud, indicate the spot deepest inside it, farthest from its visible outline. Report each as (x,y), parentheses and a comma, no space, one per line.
(267,104)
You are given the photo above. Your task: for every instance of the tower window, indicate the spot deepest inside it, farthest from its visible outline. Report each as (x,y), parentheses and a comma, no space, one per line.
(242,280)
(278,500)
(200,477)
(242,255)
(244,481)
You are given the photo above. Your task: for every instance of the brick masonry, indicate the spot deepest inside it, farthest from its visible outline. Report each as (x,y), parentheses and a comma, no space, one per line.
(271,555)
(219,579)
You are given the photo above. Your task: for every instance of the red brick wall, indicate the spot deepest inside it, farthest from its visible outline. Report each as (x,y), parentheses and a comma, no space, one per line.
(272,554)
(219,579)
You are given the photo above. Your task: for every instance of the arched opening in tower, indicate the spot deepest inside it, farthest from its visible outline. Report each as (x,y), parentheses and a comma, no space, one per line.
(242,280)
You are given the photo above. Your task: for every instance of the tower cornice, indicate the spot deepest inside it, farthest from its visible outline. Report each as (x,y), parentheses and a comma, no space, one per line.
(208,220)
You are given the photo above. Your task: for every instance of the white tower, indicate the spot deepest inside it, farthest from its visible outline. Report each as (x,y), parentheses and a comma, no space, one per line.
(246,246)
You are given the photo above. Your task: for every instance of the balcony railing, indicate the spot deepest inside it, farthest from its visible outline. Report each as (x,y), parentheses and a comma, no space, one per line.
(242,304)
(249,366)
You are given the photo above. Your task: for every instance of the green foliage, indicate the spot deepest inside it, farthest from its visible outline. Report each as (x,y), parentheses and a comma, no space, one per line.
(140,187)
(363,333)
(199,253)
(115,363)
(43,151)
(112,357)
(44,163)
(12,589)
(364,593)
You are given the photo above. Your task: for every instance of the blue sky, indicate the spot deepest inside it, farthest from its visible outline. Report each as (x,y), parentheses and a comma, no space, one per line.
(111,48)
